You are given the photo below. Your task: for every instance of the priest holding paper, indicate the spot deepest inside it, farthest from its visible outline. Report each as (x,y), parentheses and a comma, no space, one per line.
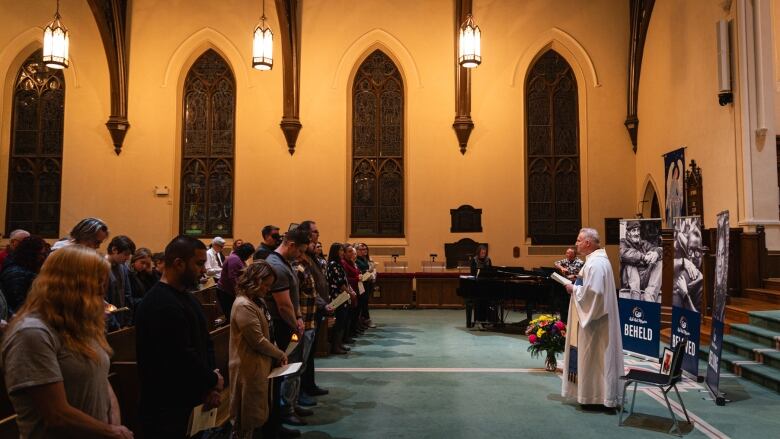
(593,359)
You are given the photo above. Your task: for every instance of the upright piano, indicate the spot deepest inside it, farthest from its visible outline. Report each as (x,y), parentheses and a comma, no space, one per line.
(490,292)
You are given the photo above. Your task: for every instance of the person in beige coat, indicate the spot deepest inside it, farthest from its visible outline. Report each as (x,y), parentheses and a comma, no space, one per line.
(252,353)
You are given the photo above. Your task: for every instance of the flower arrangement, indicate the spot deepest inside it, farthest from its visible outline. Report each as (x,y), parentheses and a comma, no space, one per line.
(547,334)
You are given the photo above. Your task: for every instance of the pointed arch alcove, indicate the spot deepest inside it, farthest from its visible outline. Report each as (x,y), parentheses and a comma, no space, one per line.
(207,178)
(377,155)
(552,151)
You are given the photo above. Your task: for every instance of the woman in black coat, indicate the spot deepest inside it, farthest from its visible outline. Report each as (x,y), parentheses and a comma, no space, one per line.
(20,269)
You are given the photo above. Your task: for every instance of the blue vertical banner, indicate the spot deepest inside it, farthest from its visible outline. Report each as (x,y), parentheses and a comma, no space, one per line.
(687,324)
(640,325)
(674,171)
(687,289)
(719,310)
(641,268)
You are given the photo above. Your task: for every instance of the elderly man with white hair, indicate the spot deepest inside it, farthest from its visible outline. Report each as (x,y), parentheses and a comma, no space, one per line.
(13,241)
(215,258)
(593,359)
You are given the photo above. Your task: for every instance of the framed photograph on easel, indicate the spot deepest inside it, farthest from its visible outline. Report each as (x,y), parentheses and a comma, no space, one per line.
(666,361)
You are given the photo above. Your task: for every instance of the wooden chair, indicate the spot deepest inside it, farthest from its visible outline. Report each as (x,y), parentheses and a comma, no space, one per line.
(660,380)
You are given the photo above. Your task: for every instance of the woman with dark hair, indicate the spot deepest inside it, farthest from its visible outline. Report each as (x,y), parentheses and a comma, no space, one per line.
(368,277)
(20,269)
(231,270)
(252,353)
(337,279)
(353,278)
(481,260)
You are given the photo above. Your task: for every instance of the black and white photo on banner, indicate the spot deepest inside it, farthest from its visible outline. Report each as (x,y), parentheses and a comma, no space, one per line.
(688,252)
(641,259)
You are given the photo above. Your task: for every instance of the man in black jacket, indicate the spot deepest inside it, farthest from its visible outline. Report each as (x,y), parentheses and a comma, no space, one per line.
(175,354)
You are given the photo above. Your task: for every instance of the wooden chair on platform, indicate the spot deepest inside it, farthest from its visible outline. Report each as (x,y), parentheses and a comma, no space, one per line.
(661,380)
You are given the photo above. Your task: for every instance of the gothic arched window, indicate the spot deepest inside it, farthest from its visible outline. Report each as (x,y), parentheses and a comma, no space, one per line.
(208,141)
(378,148)
(35,162)
(552,151)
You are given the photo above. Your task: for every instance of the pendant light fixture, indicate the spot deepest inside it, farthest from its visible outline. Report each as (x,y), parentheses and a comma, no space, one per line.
(56,39)
(263,45)
(469,53)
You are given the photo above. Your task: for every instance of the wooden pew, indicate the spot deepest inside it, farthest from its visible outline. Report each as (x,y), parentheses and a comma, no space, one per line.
(124,378)
(321,343)
(8,428)
(123,344)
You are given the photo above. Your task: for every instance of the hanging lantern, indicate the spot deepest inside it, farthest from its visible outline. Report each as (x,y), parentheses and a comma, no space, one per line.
(56,39)
(263,45)
(469,53)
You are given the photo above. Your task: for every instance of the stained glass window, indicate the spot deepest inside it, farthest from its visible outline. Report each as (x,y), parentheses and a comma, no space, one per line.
(208,148)
(552,151)
(378,148)
(35,162)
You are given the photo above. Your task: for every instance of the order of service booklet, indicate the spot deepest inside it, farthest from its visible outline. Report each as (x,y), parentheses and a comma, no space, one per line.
(560,279)
(202,419)
(285,370)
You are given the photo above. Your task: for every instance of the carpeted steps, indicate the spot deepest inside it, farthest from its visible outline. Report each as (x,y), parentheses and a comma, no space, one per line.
(772,283)
(763,294)
(751,350)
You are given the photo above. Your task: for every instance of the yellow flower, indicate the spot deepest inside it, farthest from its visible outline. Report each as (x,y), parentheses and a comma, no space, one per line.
(540,332)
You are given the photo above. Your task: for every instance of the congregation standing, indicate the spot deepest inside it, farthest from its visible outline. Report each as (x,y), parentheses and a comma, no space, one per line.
(58,303)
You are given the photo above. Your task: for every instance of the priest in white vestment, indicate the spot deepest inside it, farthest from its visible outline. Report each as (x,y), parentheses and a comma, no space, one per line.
(594,330)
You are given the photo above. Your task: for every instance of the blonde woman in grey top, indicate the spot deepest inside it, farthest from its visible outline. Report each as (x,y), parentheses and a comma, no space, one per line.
(55,357)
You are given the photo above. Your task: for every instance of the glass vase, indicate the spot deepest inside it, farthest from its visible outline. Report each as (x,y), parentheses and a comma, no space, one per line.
(550,363)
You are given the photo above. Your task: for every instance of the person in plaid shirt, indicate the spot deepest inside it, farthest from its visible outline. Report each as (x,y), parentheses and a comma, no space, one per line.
(571,265)
(291,387)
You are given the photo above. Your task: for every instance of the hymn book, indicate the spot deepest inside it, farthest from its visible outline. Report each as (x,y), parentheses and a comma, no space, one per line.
(285,370)
(340,300)
(560,279)
(201,419)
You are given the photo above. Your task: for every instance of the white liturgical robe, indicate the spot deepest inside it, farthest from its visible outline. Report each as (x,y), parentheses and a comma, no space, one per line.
(594,328)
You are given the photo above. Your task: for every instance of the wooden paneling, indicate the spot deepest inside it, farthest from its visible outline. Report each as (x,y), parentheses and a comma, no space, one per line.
(395,290)
(439,291)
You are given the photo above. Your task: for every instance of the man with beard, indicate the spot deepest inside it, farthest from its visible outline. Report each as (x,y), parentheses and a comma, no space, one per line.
(271,240)
(175,354)
(309,387)
(640,266)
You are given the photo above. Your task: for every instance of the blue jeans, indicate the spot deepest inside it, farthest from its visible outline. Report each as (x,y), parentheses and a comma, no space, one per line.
(291,385)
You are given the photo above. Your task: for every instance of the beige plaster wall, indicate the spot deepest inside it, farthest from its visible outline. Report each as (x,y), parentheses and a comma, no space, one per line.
(273,187)
(678,104)
(91,172)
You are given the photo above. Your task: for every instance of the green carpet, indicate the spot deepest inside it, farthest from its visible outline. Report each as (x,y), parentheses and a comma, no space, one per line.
(507,403)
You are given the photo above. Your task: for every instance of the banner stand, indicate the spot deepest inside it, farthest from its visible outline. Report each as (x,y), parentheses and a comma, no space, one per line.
(640,356)
(692,377)
(720,400)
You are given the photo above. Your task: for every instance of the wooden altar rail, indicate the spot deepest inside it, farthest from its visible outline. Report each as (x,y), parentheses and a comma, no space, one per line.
(418,290)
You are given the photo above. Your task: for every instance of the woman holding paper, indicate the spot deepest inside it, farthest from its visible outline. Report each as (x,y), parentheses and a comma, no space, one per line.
(353,278)
(252,353)
(337,279)
(368,277)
